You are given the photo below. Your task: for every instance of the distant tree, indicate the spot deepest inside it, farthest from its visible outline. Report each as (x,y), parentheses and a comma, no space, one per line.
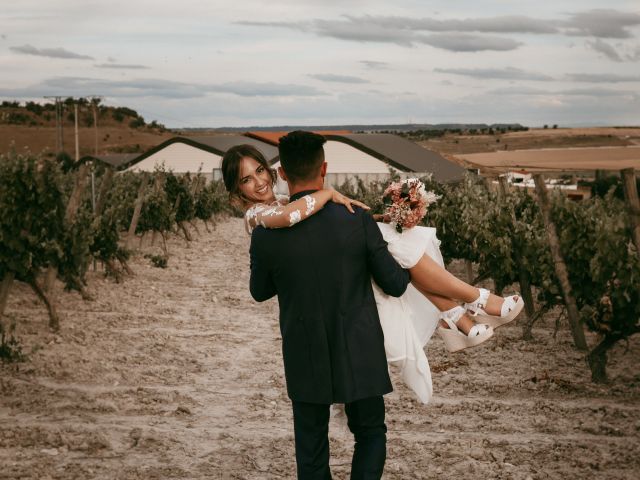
(87,119)
(555,126)
(127,112)
(137,122)
(34,107)
(17,118)
(545,126)
(66,162)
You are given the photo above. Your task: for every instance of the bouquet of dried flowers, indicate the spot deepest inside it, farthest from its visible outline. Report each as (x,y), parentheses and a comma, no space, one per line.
(406,203)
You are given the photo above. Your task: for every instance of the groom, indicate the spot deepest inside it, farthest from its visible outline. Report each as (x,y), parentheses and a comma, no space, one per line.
(332,342)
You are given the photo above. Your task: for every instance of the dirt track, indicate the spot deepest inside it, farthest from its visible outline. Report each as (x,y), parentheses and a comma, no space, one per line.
(177,373)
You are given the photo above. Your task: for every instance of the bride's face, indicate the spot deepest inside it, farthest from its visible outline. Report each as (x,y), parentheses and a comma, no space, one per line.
(255,181)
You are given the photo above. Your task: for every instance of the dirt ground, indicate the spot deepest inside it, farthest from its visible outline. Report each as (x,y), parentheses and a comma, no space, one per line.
(177,373)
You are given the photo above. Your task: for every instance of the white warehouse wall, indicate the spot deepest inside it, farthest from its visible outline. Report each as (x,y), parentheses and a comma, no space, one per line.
(180,158)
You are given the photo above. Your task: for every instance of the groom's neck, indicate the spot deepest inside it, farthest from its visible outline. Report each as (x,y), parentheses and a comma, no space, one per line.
(317,184)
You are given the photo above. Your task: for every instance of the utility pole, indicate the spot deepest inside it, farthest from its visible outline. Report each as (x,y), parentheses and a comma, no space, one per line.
(77,137)
(95,100)
(94,104)
(59,120)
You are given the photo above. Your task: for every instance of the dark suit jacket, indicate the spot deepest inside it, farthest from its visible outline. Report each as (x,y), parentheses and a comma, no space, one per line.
(321,270)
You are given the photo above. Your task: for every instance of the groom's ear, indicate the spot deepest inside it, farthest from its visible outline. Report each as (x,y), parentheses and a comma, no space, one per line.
(283,175)
(323,169)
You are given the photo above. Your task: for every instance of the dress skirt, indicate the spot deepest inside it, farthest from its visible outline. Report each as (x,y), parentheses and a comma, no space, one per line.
(409,321)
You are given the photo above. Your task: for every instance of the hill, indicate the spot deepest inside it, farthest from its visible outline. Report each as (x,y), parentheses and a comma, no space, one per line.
(32,126)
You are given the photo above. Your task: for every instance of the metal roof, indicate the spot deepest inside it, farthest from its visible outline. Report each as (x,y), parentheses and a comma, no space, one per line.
(216,144)
(274,137)
(403,154)
(113,159)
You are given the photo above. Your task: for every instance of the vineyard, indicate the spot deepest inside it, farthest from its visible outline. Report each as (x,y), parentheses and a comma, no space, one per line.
(54,228)
(157,364)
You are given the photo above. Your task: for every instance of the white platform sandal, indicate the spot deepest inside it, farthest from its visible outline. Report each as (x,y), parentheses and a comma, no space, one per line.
(511,308)
(454,339)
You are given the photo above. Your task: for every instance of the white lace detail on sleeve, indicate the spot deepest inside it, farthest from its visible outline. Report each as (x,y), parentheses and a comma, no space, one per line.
(311,205)
(294,217)
(254,216)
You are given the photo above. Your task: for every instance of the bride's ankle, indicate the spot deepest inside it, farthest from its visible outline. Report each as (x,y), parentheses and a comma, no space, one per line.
(494,304)
(465,324)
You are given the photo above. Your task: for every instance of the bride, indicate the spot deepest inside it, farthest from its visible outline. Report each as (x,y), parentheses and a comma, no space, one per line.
(408,321)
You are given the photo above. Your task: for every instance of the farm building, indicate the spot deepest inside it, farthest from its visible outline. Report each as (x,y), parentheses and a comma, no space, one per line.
(365,156)
(369,157)
(190,154)
(519,165)
(115,160)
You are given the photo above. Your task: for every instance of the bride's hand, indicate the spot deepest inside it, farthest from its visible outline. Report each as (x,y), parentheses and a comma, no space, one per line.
(337,197)
(379,217)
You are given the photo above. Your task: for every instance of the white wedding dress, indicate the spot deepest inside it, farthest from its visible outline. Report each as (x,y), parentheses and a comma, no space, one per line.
(409,321)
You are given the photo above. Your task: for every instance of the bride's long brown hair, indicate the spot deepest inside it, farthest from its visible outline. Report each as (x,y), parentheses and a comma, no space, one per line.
(231,171)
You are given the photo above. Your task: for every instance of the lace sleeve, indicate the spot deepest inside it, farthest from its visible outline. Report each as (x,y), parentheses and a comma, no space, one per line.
(277,215)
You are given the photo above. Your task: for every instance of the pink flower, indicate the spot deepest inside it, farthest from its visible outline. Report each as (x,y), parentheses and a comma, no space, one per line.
(406,202)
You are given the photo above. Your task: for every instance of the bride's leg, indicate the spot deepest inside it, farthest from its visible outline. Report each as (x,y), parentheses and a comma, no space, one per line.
(429,277)
(443,304)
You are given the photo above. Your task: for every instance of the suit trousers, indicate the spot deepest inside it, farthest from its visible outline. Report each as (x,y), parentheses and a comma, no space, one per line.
(366,421)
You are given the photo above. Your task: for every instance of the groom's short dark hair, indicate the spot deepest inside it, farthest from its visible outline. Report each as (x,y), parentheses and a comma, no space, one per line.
(301,155)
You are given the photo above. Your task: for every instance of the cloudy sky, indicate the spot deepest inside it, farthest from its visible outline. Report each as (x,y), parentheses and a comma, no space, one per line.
(212,63)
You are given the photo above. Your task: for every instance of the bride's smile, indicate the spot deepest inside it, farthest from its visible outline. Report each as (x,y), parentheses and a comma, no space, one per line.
(255,181)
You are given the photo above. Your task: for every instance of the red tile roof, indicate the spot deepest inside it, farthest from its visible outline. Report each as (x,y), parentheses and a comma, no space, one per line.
(274,137)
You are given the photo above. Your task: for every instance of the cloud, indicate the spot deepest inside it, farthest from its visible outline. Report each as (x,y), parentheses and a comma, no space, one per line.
(605,49)
(459,42)
(502,24)
(400,32)
(256,89)
(75,86)
(509,73)
(580,92)
(598,92)
(602,77)
(363,32)
(3,36)
(374,64)
(329,77)
(455,34)
(122,66)
(602,23)
(519,91)
(49,52)
(635,55)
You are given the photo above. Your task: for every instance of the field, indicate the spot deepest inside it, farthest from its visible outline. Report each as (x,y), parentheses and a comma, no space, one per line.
(116,137)
(110,139)
(534,139)
(177,373)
